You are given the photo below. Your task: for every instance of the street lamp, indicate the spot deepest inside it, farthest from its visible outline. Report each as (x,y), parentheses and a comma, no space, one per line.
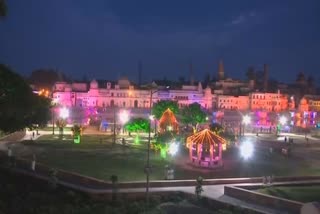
(124,117)
(147,168)
(246,150)
(173,148)
(53,105)
(64,113)
(153,119)
(282,120)
(246,121)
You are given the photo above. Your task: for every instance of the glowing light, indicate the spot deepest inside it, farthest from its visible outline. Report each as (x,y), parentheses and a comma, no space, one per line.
(163,153)
(173,148)
(151,117)
(76,139)
(246,119)
(64,113)
(168,122)
(246,149)
(283,120)
(124,116)
(137,140)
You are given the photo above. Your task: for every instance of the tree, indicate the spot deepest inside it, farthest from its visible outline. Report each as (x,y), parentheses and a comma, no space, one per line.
(45,78)
(161,106)
(193,115)
(137,125)
(41,111)
(3,8)
(19,106)
(61,123)
(216,128)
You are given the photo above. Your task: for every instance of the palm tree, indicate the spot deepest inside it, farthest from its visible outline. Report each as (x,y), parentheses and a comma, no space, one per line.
(3,8)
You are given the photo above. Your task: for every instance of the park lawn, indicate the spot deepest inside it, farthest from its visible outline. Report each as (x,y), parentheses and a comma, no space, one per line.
(100,159)
(92,158)
(299,193)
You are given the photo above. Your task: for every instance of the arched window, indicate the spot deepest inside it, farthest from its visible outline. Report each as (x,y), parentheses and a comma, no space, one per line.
(112,103)
(135,104)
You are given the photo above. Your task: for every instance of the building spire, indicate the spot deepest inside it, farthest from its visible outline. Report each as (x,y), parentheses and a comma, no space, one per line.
(220,70)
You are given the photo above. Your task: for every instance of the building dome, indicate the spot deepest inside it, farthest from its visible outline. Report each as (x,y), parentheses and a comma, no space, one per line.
(93,84)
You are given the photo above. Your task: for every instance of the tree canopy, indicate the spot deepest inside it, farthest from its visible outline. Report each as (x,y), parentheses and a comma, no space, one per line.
(19,106)
(216,128)
(3,9)
(193,114)
(161,106)
(137,125)
(45,78)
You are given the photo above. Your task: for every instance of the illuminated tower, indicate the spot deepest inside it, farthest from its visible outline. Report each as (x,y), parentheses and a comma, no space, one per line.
(220,70)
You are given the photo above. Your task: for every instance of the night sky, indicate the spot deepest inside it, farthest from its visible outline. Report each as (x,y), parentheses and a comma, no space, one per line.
(106,39)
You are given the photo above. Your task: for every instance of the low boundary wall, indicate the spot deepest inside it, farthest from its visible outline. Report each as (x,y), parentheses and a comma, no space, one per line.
(290,206)
(91,182)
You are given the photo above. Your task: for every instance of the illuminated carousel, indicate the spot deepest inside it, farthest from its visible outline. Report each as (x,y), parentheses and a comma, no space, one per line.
(205,148)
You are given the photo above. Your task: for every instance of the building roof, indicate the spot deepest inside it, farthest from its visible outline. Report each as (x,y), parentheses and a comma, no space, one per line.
(205,136)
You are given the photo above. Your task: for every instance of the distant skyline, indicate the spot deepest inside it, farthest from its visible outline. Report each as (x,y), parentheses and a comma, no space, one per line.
(106,39)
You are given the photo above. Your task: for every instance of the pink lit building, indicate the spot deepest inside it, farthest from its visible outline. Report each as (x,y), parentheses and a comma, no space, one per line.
(124,94)
(271,102)
(233,102)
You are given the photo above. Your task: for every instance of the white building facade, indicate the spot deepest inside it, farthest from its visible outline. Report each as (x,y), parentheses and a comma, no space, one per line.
(125,95)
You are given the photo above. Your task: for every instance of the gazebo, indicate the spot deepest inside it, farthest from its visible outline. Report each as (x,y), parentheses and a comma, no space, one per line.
(205,148)
(168,122)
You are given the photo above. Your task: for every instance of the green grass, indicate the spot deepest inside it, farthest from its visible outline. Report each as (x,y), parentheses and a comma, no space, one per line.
(302,194)
(90,157)
(101,159)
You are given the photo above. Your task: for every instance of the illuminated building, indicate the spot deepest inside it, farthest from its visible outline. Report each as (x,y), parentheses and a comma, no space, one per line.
(124,94)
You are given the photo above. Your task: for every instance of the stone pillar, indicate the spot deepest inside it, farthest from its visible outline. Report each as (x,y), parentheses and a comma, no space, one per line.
(199,153)
(220,153)
(211,153)
(191,149)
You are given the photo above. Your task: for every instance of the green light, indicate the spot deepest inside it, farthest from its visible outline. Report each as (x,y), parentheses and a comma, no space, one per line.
(137,140)
(163,153)
(76,139)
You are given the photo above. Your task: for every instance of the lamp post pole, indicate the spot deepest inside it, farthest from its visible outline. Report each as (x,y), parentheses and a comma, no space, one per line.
(148,152)
(114,125)
(52,121)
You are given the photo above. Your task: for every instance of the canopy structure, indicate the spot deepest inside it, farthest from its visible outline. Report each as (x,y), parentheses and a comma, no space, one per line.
(168,122)
(205,148)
